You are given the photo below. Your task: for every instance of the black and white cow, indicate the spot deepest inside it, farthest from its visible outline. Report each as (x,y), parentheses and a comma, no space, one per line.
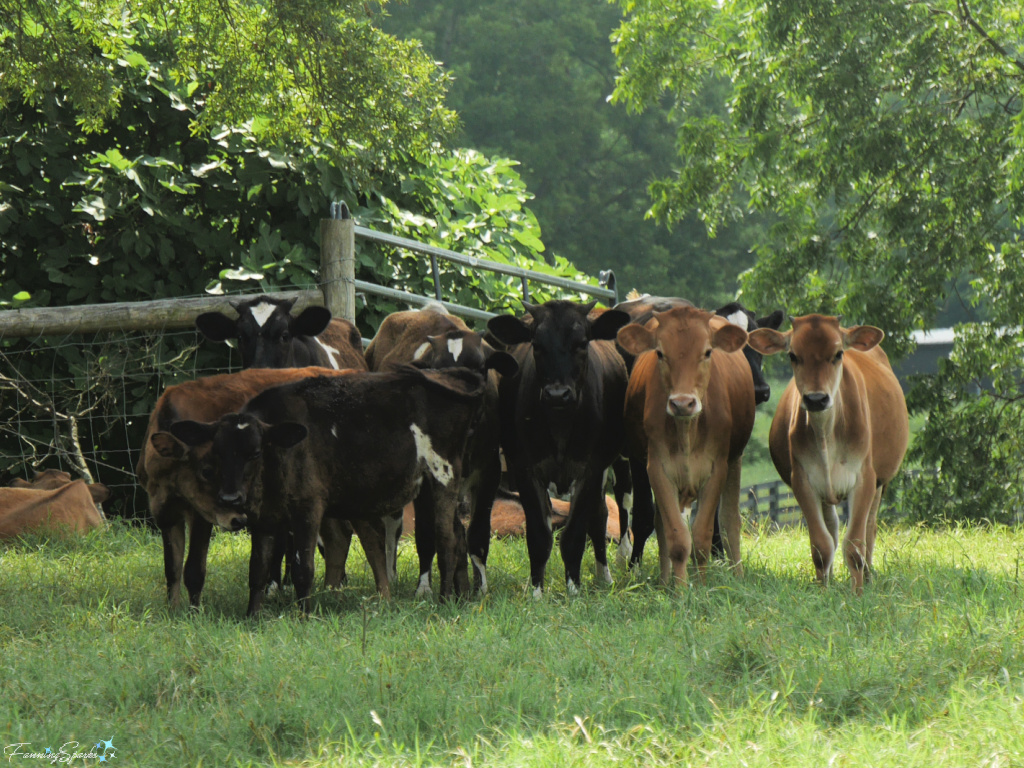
(356,448)
(561,424)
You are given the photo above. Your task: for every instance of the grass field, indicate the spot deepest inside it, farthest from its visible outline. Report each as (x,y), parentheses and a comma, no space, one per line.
(925,669)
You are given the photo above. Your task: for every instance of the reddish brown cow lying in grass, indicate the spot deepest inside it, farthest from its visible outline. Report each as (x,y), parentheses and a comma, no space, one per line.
(51,502)
(840,431)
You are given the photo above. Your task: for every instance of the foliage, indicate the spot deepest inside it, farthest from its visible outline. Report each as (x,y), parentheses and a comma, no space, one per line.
(924,669)
(531,80)
(886,141)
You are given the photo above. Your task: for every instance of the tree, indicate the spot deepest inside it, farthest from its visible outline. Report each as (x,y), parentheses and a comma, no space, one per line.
(531,80)
(886,139)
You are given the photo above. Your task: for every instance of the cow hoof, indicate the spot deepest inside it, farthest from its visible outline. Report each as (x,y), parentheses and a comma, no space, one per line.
(480,570)
(423,589)
(624,552)
(538,593)
(603,574)
(571,588)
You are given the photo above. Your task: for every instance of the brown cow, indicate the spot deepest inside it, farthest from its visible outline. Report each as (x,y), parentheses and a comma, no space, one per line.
(840,431)
(689,413)
(51,502)
(175,495)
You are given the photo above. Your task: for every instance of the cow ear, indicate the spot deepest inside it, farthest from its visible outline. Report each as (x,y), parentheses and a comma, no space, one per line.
(768,341)
(774,320)
(286,434)
(166,445)
(729,338)
(503,363)
(192,433)
(635,339)
(99,493)
(312,322)
(608,324)
(509,330)
(20,482)
(216,326)
(862,337)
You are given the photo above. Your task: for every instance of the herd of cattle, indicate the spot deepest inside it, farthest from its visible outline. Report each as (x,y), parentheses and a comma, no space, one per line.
(314,440)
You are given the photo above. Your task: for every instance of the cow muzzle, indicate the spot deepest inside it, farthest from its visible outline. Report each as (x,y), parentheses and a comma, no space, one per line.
(816,402)
(232,521)
(558,396)
(683,406)
(762,393)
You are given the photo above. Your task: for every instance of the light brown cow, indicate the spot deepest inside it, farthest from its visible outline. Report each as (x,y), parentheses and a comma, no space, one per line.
(177,497)
(840,431)
(51,502)
(689,414)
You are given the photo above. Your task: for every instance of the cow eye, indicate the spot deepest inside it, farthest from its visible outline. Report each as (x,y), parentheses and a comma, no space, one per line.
(793,358)
(707,354)
(286,337)
(207,473)
(838,357)
(660,354)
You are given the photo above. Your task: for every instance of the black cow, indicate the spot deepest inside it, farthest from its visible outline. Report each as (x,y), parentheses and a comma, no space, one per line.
(561,423)
(270,337)
(355,447)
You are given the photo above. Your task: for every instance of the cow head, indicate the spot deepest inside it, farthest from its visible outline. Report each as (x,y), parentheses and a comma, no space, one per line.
(265,330)
(683,340)
(816,345)
(559,333)
(224,457)
(464,349)
(740,316)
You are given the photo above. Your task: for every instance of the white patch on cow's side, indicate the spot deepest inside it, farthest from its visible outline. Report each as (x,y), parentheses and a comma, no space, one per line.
(334,430)
(421,350)
(738,318)
(423,589)
(261,312)
(392,529)
(481,569)
(436,464)
(332,354)
(538,593)
(603,573)
(455,347)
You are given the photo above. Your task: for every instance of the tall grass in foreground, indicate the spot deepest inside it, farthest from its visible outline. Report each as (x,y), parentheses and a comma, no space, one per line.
(926,668)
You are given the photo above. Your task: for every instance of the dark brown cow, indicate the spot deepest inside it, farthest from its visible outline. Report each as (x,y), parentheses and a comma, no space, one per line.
(270,337)
(561,423)
(354,447)
(689,414)
(840,431)
(51,502)
(176,497)
(432,338)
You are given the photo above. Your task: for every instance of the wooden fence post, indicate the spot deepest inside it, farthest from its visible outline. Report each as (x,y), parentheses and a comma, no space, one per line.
(338,262)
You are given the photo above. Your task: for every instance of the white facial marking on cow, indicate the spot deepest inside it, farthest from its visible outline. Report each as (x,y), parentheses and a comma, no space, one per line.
(332,354)
(423,590)
(421,350)
(334,430)
(261,312)
(603,573)
(455,347)
(242,426)
(436,464)
(738,318)
(481,569)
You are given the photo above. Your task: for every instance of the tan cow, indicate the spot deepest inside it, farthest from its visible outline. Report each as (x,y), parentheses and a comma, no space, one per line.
(51,502)
(840,431)
(689,414)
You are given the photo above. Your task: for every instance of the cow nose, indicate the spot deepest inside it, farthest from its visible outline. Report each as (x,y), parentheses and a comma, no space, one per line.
(232,499)
(762,393)
(817,401)
(558,395)
(683,406)
(238,523)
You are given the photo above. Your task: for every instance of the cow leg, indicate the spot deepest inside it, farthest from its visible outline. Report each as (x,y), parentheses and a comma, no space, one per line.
(675,543)
(623,489)
(449,534)
(707,511)
(480,521)
(173,534)
(728,517)
(195,564)
(573,540)
(643,510)
(337,538)
(426,543)
(872,531)
(598,530)
(823,545)
(537,511)
(305,532)
(261,561)
(855,545)
(392,534)
(372,535)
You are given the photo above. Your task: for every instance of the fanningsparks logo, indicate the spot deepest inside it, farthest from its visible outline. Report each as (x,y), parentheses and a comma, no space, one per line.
(68,752)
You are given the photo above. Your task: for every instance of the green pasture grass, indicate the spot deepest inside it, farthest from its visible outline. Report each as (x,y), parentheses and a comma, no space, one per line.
(926,668)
